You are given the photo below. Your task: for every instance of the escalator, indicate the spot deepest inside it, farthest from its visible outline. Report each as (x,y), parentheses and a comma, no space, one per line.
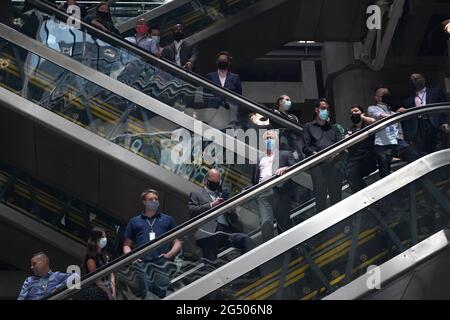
(216,25)
(150,124)
(324,250)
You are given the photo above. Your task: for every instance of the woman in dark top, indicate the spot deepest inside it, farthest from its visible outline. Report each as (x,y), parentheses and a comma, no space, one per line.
(102,19)
(95,257)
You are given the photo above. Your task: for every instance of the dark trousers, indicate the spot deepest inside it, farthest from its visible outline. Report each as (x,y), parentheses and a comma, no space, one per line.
(427,138)
(357,170)
(327,180)
(384,155)
(224,238)
(154,277)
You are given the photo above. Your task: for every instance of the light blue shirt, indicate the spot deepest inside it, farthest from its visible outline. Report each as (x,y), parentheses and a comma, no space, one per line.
(37,288)
(391,134)
(146,43)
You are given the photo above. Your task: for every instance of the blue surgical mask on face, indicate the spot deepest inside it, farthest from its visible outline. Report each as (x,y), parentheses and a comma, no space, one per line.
(152,205)
(102,242)
(270,143)
(324,114)
(287,105)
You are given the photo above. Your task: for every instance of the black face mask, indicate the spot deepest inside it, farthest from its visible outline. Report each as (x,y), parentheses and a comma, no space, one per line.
(356,118)
(386,99)
(178,36)
(223,65)
(213,186)
(417,84)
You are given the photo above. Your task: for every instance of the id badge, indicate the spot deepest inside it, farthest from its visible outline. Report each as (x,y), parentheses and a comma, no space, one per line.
(152,236)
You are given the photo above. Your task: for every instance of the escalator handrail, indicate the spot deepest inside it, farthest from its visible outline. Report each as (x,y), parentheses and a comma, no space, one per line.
(312,227)
(120,89)
(253,191)
(179,71)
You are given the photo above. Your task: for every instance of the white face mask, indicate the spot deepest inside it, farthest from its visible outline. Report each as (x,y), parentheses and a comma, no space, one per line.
(102,242)
(156,39)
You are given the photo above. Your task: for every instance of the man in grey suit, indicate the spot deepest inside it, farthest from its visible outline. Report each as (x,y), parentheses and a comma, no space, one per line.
(219,232)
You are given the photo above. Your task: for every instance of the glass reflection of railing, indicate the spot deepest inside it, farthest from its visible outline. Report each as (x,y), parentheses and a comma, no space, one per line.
(52,207)
(243,205)
(101,111)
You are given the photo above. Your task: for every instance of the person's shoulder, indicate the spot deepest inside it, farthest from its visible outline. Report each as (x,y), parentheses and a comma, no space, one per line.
(211,74)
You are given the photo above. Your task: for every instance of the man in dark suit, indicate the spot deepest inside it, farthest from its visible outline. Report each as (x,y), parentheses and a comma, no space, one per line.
(224,78)
(219,232)
(274,162)
(180,51)
(185,55)
(427,132)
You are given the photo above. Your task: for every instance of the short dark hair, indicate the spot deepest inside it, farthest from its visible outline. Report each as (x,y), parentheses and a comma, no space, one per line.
(224,53)
(318,102)
(359,108)
(146,192)
(41,253)
(281,98)
(380,86)
(155,27)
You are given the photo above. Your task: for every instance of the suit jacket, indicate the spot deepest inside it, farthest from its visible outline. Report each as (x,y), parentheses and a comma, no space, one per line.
(285,159)
(199,202)
(434,95)
(188,52)
(232,82)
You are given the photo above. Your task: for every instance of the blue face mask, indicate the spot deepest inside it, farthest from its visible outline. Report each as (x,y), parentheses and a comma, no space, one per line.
(102,242)
(152,205)
(287,105)
(324,114)
(270,143)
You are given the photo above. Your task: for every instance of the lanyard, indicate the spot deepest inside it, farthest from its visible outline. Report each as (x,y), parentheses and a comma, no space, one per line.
(151,225)
(421,98)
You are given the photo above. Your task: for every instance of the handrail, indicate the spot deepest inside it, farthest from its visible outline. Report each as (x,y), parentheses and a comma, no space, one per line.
(179,71)
(312,227)
(213,213)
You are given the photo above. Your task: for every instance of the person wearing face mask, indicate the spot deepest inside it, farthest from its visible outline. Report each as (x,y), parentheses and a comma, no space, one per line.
(153,269)
(361,157)
(181,51)
(155,33)
(273,204)
(103,19)
(94,258)
(220,232)
(141,37)
(184,54)
(226,113)
(326,177)
(389,142)
(426,132)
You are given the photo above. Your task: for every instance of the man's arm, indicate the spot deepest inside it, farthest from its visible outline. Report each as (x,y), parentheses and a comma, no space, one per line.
(376,113)
(194,55)
(194,206)
(307,148)
(23,295)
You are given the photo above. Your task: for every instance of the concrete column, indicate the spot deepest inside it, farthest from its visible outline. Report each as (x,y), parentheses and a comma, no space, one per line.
(309,80)
(349,82)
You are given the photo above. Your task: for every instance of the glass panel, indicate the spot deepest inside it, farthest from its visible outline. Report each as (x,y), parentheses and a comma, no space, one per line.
(150,77)
(115,118)
(277,209)
(342,253)
(54,208)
